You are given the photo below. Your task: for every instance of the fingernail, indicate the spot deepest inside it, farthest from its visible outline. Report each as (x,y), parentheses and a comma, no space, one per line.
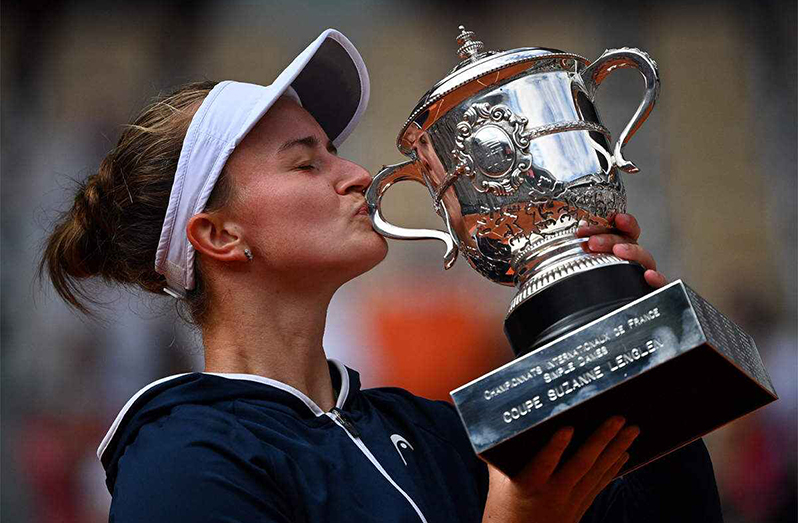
(582,223)
(600,241)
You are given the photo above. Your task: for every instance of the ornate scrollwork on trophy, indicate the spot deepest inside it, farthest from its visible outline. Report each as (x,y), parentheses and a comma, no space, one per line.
(544,202)
(605,199)
(501,224)
(553,202)
(492,148)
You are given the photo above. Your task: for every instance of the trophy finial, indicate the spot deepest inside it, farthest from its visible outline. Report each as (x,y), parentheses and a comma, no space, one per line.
(468,46)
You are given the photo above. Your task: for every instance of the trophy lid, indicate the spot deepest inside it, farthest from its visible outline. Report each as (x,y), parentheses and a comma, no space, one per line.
(477,71)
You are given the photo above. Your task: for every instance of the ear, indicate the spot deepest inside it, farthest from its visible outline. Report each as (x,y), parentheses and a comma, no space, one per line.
(215,237)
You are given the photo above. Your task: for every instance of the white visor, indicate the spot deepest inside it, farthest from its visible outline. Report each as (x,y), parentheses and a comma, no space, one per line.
(330,81)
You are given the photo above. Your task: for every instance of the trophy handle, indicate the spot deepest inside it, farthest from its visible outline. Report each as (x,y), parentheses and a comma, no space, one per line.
(623,58)
(382,181)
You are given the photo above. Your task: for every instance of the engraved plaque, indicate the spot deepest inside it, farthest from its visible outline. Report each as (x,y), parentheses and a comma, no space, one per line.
(669,362)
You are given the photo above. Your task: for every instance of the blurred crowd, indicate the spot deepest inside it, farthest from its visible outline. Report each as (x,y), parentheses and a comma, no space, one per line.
(720,144)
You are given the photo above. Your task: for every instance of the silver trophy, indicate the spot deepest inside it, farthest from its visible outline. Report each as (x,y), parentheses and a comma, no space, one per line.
(514,155)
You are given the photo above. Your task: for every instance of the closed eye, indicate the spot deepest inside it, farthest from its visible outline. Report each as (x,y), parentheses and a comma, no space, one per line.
(309,142)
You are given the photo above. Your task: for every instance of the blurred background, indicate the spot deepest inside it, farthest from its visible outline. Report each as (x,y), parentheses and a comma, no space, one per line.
(716,198)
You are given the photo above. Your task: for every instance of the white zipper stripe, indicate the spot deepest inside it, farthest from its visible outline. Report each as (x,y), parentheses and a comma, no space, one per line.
(364,449)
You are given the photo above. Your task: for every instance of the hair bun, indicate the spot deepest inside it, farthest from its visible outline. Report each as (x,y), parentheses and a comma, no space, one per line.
(93,220)
(113,226)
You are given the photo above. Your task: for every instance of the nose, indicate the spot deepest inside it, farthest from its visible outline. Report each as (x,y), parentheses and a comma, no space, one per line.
(353,178)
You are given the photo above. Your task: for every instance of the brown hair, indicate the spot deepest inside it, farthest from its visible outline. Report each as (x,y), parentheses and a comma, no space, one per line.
(112,229)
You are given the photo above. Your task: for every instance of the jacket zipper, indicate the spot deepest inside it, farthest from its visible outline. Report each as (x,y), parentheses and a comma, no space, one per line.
(343,421)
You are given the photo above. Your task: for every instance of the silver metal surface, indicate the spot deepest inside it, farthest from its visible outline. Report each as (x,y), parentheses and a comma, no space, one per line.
(709,374)
(514,154)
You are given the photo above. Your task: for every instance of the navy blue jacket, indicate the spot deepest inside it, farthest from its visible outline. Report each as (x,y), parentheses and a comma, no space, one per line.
(242,448)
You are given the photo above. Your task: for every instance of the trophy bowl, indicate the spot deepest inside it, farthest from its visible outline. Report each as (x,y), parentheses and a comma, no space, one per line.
(514,154)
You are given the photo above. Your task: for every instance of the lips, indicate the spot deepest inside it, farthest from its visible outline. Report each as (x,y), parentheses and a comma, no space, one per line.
(363,209)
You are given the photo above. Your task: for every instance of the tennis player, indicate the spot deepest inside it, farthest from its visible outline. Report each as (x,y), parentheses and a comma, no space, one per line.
(231,198)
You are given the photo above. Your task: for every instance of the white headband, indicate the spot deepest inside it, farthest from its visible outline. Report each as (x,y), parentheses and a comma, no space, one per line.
(330,79)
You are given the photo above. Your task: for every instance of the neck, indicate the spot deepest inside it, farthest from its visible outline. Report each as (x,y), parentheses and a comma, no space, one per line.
(276,334)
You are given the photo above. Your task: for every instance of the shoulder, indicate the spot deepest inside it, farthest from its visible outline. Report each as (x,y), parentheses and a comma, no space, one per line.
(185,426)
(195,464)
(171,443)
(178,451)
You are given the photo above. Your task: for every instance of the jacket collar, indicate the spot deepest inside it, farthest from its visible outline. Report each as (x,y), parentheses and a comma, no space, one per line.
(151,401)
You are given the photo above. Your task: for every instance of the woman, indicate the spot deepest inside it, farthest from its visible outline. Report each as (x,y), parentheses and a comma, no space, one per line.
(231,197)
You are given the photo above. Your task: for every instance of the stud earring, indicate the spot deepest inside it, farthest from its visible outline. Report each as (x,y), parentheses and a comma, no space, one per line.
(248,254)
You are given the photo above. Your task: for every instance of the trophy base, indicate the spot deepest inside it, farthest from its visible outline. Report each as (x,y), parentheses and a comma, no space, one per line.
(571,303)
(669,363)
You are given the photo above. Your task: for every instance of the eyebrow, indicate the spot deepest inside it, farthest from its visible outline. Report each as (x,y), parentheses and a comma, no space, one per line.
(311,142)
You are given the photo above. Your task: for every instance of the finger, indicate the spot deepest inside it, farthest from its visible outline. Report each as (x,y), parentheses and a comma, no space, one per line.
(619,445)
(606,479)
(627,224)
(540,468)
(605,242)
(585,229)
(636,253)
(655,279)
(581,462)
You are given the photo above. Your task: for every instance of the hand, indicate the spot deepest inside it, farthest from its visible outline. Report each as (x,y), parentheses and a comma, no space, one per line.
(622,242)
(545,492)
